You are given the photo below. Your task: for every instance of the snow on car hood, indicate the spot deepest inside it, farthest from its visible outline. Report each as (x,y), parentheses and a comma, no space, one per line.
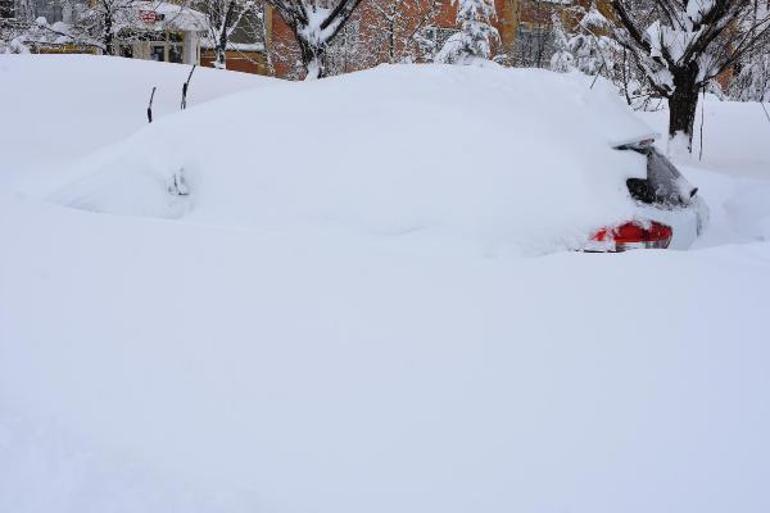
(499,158)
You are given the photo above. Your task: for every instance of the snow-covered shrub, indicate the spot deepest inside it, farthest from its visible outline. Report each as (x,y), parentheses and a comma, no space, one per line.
(562,60)
(590,53)
(585,48)
(25,37)
(472,42)
(15,45)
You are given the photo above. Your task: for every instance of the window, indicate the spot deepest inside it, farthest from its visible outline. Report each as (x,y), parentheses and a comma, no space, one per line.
(158,53)
(175,53)
(161,46)
(167,47)
(51,10)
(664,184)
(439,35)
(534,46)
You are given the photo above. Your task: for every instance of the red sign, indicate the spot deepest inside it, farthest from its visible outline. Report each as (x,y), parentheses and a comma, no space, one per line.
(148,16)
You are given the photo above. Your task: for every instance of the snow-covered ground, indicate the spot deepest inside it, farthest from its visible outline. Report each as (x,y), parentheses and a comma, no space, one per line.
(57,108)
(181,365)
(733,171)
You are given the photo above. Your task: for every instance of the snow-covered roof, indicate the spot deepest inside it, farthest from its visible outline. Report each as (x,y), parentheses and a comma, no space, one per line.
(174,17)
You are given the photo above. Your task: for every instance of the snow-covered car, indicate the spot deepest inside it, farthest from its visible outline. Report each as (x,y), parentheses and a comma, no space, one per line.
(670,215)
(493,159)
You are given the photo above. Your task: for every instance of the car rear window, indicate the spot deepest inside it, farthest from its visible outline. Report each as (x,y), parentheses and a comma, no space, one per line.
(664,185)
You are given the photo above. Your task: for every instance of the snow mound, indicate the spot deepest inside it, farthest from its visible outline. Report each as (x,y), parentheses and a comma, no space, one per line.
(749,210)
(515,158)
(58,108)
(173,366)
(291,374)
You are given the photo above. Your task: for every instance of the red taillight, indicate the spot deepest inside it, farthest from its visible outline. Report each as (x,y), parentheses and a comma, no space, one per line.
(633,235)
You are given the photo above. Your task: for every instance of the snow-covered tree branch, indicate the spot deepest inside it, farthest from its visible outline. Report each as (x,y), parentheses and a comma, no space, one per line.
(681,45)
(315,24)
(223,17)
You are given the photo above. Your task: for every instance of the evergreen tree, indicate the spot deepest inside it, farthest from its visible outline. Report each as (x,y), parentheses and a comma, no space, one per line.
(473,41)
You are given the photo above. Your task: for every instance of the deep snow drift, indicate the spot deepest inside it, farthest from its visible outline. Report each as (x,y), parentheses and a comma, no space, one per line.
(339,375)
(55,108)
(153,365)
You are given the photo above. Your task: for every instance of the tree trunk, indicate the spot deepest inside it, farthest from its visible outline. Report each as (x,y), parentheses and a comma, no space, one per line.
(312,58)
(314,30)
(109,46)
(220,52)
(220,59)
(682,106)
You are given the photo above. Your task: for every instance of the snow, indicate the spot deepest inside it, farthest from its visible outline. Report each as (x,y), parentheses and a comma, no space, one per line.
(735,136)
(557,151)
(733,173)
(697,9)
(317,377)
(594,20)
(96,101)
(209,364)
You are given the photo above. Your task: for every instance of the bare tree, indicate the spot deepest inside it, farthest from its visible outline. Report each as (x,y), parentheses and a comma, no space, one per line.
(400,28)
(535,39)
(106,18)
(384,31)
(102,25)
(349,51)
(315,24)
(752,73)
(223,17)
(682,45)
(31,32)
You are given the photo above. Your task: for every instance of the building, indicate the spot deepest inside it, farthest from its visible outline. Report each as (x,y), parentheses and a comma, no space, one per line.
(156,30)
(243,57)
(246,51)
(162,31)
(380,31)
(396,31)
